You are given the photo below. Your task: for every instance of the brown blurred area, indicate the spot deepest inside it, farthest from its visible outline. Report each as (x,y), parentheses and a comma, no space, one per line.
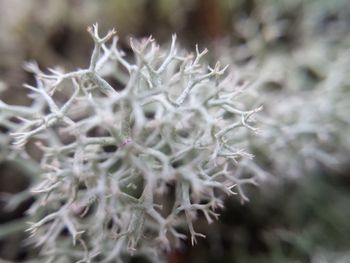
(53,32)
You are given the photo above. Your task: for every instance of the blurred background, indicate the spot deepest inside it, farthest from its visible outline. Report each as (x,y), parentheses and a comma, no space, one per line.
(296,52)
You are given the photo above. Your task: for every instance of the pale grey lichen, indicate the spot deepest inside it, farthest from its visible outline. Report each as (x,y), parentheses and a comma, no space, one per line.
(124,171)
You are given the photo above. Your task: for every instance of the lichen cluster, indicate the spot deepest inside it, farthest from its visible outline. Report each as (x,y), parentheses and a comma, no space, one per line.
(127,171)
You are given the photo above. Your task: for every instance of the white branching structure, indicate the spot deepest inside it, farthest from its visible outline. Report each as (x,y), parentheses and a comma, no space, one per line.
(124,171)
(7,125)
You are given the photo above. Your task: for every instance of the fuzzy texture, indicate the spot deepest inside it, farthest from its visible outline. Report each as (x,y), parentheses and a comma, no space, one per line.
(306,99)
(124,171)
(306,123)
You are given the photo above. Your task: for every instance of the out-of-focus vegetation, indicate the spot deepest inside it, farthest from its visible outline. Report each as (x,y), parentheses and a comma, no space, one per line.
(297,51)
